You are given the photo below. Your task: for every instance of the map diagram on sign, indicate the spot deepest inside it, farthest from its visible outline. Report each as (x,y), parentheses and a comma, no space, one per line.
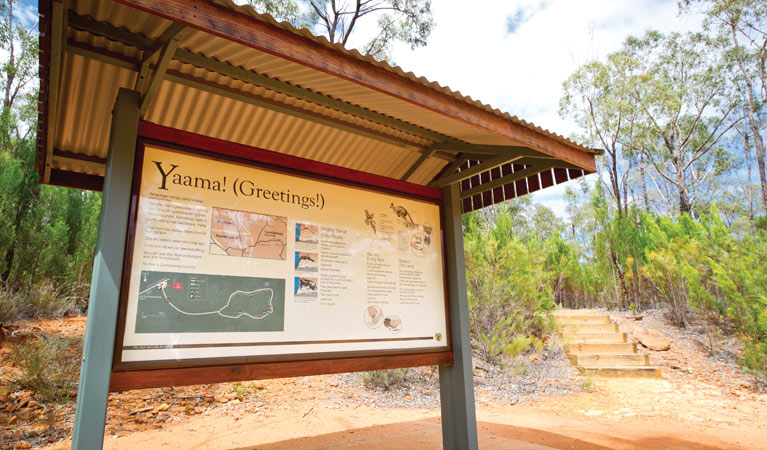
(248,234)
(178,303)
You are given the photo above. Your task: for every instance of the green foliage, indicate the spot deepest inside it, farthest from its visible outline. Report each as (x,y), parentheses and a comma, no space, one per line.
(50,366)
(406,21)
(387,379)
(508,290)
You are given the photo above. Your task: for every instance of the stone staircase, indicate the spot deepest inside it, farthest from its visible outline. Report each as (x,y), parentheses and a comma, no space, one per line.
(595,345)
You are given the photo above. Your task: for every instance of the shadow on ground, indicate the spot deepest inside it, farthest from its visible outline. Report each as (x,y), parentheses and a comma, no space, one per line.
(427,434)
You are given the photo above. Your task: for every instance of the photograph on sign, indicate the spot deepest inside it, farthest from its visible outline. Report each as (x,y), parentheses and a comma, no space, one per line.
(231,261)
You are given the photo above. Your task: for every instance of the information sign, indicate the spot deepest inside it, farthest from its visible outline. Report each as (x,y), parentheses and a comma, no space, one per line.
(231,262)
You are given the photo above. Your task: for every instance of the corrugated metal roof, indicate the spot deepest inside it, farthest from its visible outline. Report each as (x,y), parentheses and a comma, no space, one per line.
(204,101)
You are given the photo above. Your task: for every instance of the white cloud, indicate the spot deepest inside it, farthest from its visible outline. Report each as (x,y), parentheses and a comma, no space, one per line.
(26,13)
(472,51)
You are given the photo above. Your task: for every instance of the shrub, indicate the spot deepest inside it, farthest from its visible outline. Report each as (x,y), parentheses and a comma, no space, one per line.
(49,366)
(387,379)
(508,290)
(44,299)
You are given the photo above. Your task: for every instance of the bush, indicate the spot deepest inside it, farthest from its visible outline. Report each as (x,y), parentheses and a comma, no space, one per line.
(508,290)
(50,366)
(387,379)
(44,299)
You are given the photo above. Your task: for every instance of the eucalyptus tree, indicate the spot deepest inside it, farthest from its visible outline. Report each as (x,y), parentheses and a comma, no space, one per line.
(684,109)
(597,97)
(18,76)
(743,24)
(408,21)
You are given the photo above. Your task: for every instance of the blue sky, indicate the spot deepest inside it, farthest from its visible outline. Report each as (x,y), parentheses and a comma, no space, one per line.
(26,12)
(515,55)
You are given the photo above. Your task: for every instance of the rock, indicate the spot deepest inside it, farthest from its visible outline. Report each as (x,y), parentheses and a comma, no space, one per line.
(653,340)
(631,327)
(236,401)
(34,405)
(12,420)
(163,407)
(23,445)
(26,413)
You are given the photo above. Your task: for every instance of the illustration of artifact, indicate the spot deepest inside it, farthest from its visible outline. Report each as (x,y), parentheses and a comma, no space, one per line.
(375,314)
(427,229)
(418,245)
(370,221)
(404,215)
(393,323)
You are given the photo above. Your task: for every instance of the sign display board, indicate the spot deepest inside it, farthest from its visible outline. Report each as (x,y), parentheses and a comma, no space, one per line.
(228,262)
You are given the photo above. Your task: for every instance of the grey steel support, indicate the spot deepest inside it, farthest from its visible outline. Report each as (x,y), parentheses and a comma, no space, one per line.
(456,383)
(107,273)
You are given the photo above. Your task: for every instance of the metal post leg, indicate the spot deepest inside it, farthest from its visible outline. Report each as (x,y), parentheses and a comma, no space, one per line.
(107,272)
(456,384)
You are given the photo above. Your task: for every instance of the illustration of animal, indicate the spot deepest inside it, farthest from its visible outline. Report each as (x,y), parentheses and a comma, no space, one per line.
(307,283)
(404,215)
(306,258)
(370,220)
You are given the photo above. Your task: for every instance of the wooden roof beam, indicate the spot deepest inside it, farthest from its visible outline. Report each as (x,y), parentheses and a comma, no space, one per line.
(136,40)
(511,150)
(150,53)
(56,62)
(153,85)
(119,60)
(249,31)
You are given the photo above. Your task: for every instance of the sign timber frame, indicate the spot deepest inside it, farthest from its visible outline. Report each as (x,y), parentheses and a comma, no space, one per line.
(209,370)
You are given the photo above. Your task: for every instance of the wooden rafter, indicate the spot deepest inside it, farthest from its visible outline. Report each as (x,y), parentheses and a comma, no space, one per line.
(498,182)
(448,179)
(425,154)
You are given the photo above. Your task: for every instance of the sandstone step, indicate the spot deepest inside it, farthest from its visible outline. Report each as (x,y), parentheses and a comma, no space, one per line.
(632,359)
(588,328)
(592,338)
(572,320)
(578,312)
(622,372)
(603,349)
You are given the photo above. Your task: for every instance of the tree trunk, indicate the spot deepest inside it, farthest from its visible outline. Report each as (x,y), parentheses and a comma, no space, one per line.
(747,151)
(752,121)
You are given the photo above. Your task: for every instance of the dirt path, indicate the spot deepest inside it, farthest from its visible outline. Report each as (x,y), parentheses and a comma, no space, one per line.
(701,403)
(507,427)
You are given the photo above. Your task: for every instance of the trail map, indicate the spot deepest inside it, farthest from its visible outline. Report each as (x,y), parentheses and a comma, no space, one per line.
(248,234)
(183,303)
